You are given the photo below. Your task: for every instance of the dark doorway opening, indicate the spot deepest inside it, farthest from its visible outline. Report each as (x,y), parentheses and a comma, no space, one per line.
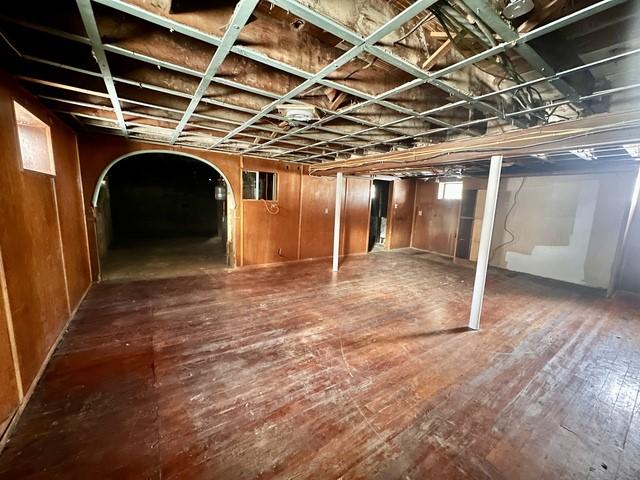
(158,216)
(379,214)
(466,225)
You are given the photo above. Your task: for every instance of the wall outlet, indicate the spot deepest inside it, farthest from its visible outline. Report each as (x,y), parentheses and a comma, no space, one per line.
(326,211)
(419,213)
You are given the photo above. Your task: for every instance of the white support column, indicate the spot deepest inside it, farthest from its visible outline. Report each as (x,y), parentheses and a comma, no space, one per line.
(336,224)
(485,241)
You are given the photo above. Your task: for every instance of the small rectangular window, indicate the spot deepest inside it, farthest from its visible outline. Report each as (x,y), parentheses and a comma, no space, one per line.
(450,191)
(34,138)
(259,185)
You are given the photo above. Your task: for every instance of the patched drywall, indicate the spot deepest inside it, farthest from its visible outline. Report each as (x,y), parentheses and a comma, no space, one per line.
(564,227)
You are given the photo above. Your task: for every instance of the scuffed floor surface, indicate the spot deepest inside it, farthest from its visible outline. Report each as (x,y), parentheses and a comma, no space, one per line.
(291,373)
(147,259)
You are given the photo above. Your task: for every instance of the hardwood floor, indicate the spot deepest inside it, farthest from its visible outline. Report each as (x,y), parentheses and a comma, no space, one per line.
(293,372)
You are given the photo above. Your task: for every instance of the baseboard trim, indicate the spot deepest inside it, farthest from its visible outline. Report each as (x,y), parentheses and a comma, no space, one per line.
(6,435)
(295,260)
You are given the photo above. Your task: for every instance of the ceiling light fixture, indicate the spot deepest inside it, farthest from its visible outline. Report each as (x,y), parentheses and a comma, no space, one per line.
(518,8)
(299,113)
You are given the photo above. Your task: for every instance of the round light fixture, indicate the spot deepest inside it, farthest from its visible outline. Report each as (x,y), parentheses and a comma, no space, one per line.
(518,8)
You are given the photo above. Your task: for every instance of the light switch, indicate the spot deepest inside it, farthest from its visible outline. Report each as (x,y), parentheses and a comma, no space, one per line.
(326,211)
(419,213)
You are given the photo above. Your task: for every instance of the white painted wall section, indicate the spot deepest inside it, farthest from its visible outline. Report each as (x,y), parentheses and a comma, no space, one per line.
(565,227)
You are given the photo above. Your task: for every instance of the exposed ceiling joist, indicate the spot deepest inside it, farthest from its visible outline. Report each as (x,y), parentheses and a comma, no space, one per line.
(399,100)
(485,11)
(356,50)
(500,48)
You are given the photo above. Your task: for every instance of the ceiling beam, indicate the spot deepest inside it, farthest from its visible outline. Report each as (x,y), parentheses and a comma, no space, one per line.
(569,71)
(153,117)
(342,32)
(256,56)
(333,27)
(584,13)
(182,95)
(483,120)
(186,70)
(91,27)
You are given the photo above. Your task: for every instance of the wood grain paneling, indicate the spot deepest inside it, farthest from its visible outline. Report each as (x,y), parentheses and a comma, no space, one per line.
(9,397)
(318,212)
(270,229)
(435,221)
(401,213)
(260,237)
(356,210)
(71,213)
(42,220)
(31,246)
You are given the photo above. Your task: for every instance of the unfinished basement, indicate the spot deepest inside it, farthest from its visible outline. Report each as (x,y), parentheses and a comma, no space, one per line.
(304,239)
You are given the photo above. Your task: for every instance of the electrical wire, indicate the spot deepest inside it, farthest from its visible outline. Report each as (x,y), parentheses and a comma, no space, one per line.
(418,25)
(452,20)
(506,221)
(360,69)
(272,208)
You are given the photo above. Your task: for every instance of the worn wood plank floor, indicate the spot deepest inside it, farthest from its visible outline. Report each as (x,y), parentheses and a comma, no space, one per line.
(291,372)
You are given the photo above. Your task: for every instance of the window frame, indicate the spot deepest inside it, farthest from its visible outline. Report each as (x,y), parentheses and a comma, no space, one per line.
(19,108)
(276,190)
(442,190)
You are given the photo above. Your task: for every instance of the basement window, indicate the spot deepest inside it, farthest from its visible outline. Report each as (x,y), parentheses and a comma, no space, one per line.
(34,139)
(450,191)
(259,185)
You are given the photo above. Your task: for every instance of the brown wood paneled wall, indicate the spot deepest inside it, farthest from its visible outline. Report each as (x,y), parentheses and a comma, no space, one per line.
(10,394)
(43,243)
(355,212)
(435,221)
(298,225)
(400,221)
(317,216)
(270,229)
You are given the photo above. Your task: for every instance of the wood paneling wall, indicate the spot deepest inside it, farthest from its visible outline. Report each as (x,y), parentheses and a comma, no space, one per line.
(270,229)
(302,228)
(400,220)
(43,242)
(435,221)
(317,216)
(9,396)
(298,225)
(355,212)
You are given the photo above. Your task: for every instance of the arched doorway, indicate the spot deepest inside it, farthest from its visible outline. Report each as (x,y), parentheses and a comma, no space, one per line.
(162,214)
